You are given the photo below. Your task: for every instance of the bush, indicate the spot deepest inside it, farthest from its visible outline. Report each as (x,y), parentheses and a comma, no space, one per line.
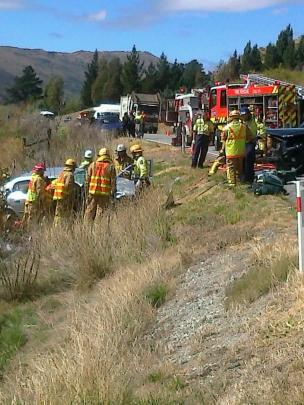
(156,294)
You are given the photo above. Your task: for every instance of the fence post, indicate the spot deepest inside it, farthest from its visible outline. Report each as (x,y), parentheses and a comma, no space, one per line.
(299,200)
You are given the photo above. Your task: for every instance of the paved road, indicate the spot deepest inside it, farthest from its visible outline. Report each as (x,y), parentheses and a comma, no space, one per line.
(167,140)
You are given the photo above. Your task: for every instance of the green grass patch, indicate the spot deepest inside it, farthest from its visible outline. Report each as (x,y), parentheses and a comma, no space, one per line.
(13,333)
(156,294)
(258,281)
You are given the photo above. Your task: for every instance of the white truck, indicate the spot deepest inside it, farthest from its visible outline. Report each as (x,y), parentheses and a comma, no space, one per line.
(148,103)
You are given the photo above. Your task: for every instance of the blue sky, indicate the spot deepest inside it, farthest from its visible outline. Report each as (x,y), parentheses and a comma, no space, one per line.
(208,30)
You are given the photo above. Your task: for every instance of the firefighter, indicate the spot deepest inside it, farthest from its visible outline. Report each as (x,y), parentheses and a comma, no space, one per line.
(140,124)
(36,199)
(141,170)
(235,136)
(100,184)
(261,135)
(123,162)
(64,192)
(88,159)
(249,160)
(202,131)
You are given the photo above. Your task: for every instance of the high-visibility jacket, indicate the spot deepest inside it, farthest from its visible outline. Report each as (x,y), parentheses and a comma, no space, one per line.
(141,167)
(100,178)
(261,129)
(63,185)
(235,139)
(252,125)
(121,164)
(36,189)
(203,127)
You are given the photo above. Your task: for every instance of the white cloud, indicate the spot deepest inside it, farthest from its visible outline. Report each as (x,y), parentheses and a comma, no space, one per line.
(96,17)
(222,5)
(10,4)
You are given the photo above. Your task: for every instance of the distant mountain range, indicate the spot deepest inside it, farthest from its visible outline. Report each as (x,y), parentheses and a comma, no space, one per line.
(69,66)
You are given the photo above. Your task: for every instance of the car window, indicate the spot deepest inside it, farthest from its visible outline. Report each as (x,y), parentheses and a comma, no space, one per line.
(21,186)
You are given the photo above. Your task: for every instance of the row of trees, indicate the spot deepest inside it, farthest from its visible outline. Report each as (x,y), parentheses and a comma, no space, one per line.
(286,52)
(108,80)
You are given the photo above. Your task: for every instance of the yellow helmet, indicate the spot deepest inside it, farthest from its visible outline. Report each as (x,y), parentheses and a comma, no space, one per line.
(136,149)
(104,152)
(70,162)
(234,114)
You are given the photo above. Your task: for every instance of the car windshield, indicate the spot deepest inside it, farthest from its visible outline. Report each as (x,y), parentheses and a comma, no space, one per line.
(108,117)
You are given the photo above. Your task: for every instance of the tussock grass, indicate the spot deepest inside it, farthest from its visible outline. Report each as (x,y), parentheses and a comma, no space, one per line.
(124,236)
(271,265)
(156,294)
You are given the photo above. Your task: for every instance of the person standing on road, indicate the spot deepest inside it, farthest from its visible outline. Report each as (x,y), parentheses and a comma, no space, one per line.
(235,136)
(64,192)
(131,127)
(36,199)
(202,131)
(125,124)
(101,185)
(249,161)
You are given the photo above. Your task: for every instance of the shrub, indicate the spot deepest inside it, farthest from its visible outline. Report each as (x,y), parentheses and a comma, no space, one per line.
(156,294)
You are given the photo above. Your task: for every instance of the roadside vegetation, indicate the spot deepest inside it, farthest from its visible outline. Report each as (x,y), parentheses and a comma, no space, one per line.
(76,331)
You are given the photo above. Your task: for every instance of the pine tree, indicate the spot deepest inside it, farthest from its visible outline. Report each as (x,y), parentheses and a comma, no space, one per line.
(246,58)
(194,75)
(132,72)
(271,57)
(149,83)
(283,41)
(53,94)
(99,84)
(26,87)
(163,73)
(255,59)
(234,66)
(90,77)
(113,88)
(176,73)
(300,52)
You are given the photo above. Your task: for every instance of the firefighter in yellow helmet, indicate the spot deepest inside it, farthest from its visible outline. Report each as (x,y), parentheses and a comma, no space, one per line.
(235,136)
(36,199)
(141,170)
(100,185)
(262,135)
(64,192)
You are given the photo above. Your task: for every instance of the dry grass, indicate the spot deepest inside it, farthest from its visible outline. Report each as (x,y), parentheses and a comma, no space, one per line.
(271,265)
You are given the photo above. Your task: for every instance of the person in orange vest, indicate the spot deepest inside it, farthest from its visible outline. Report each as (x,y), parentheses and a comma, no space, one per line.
(64,192)
(36,200)
(235,135)
(100,184)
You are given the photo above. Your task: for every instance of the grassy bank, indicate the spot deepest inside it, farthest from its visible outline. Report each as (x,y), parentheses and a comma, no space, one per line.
(98,289)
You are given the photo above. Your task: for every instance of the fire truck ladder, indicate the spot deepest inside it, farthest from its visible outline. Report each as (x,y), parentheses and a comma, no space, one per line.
(259,79)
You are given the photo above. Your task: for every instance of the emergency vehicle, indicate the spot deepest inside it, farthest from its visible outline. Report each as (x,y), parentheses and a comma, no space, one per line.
(280,104)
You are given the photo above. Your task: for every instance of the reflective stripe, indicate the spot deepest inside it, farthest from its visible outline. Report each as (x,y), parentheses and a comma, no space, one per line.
(235,144)
(100,181)
(32,195)
(59,193)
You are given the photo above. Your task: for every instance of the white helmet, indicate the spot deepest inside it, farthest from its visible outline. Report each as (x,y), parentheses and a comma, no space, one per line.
(121,148)
(88,154)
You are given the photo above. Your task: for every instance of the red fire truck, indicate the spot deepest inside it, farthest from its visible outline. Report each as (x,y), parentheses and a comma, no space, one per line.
(279,103)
